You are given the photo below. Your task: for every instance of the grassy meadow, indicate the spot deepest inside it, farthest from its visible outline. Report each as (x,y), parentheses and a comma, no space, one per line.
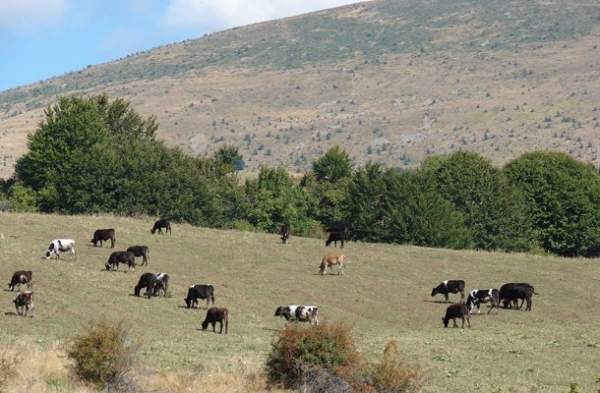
(384,295)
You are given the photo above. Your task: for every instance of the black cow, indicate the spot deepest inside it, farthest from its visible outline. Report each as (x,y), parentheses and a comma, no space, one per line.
(478,296)
(140,251)
(200,291)
(160,224)
(458,310)
(450,286)
(102,235)
(285,233)
(511,293)
(337,233)
(214,315)
(154,283)
(117,257)
(19,278)
(24,303)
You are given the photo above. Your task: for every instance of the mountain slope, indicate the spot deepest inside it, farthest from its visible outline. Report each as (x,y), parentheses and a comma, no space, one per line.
(392,81)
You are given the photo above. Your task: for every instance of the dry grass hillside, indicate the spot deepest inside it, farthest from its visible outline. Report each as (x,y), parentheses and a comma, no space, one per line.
(389,80)
(384,296)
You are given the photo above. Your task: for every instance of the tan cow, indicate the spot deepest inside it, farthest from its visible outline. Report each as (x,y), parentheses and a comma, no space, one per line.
(331,260)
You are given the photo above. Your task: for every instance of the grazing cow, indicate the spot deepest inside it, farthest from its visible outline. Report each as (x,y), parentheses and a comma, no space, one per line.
(307,314)
(300,313)
(337,235)
(450,286)
(140,251)
(19,278)
(200,291)
(103,235)
(214,315)
(117,257)
(159,225)
(60,245)
(458,310)
(285,233)
(478,296)
(331,260)
(24,302)
(154,283)
(511,293)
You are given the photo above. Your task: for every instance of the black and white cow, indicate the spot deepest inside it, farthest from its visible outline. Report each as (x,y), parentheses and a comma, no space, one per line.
(511,293)
(117,257)
(24,303)
(60,245)
(140,251)
(298,312)
(450,286)
(478,296)
(154,283)
(159,225)
(200,291)
(103,235)
(20,277)
(454,311)
(214,315)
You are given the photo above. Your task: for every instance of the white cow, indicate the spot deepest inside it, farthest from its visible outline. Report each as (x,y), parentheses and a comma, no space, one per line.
(60,245)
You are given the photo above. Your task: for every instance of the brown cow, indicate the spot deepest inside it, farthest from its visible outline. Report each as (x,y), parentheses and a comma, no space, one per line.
(24,302)
(331,260)
(214,315)
(19,278)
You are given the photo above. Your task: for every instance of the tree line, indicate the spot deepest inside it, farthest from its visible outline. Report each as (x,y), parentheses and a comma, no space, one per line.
(92,155)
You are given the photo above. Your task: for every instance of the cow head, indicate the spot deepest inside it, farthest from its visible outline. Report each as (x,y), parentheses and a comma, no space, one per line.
(435,290)
(50,251)
(279,311)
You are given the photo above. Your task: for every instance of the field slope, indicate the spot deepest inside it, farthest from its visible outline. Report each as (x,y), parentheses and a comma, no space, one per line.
(384,295)
(389,80)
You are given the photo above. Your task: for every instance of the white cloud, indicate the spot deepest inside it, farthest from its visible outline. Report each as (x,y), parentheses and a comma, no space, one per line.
(30,15)
(230,13)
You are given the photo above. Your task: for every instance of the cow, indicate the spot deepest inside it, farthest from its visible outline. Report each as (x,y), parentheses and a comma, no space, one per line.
(478,296)
(450,286)
(24,303)
(285,233)
(19,278)
(140,251)
(117,257)
(103,235)
(300,313)
(458,310)
(336,236)
(154,283)
(159,225)
(60,245)
(214,315)
(331,260)
(200,291)
(511,293)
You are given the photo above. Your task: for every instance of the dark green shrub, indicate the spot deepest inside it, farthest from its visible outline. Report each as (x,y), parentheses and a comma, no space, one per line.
(103,354)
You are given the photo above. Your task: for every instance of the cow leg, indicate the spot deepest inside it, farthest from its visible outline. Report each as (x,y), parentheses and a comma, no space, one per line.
(342,241)
(468,321)
(214,325)
(462,326)
(220,327)
(446,296)
(454,324)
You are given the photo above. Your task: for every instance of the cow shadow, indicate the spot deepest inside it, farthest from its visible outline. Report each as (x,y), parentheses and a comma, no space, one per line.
(437,301)
(11,313)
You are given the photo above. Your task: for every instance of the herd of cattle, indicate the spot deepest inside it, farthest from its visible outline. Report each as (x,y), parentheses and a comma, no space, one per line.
(155,284)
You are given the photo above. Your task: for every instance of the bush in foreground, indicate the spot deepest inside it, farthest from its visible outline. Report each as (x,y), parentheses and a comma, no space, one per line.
(319,359)
(103,355)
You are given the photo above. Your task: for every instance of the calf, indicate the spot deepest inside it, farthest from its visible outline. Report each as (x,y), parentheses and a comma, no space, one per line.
(331,260)
(450,286)
(19,278)
(478,296)
(458,310)
(24,302)
(511,293)
(60,245)
(117,257)
(102,235)
(154,283)
(214,315)
(200,291)
(285,233)
(159,225)
(307,314)
(140,251)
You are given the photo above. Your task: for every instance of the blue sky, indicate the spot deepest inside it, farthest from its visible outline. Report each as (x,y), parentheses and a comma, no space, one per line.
(44,38)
